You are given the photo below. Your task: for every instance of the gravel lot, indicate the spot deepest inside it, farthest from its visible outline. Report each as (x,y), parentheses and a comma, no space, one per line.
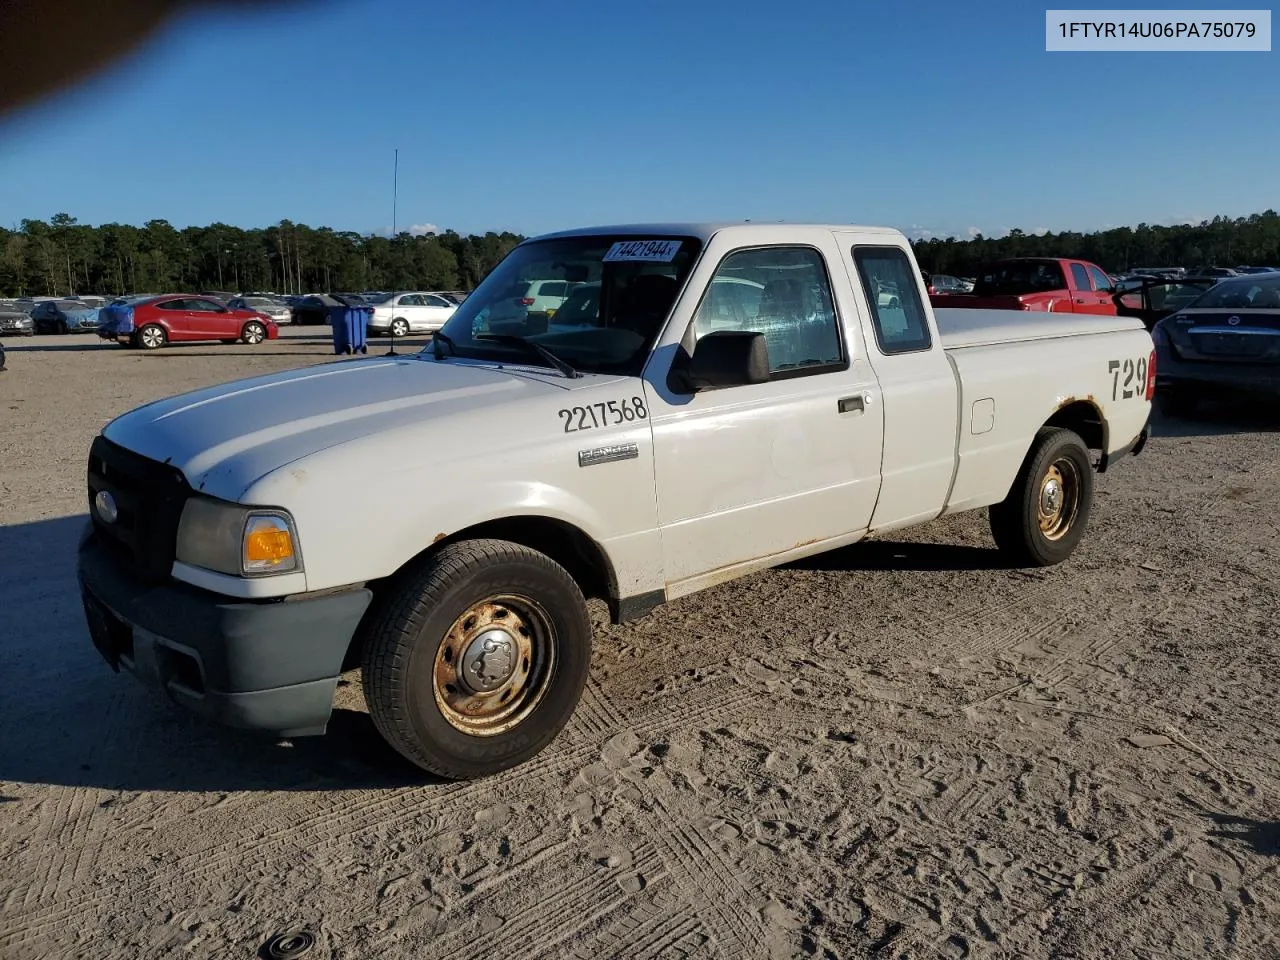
(900,749)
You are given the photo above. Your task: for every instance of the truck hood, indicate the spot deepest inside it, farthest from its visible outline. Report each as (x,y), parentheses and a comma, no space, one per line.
(224,438)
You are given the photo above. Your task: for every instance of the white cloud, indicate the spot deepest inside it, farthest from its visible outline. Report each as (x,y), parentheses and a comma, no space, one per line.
(414,230)
(974,231)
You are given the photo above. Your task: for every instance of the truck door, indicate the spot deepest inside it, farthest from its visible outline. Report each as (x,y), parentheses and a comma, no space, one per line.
(1103,289)
(1083,297)
(917,385)
(752,471)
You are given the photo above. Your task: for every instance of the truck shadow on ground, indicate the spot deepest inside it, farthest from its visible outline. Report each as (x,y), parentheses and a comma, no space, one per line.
(69,720)
(1220,418)
(896,555)
(1262,836)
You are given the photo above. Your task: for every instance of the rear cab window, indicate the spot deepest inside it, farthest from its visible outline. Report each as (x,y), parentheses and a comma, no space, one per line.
(893,300)
(1080,277)
(1016,277)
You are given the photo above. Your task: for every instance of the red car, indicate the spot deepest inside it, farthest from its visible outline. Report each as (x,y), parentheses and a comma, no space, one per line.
(1047,284)
(180,318)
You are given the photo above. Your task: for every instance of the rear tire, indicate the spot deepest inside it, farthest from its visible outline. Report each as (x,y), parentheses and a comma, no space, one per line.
(150,337)
(253,333)
(1177,404)
(399,327)
(1041,521)
(477,658)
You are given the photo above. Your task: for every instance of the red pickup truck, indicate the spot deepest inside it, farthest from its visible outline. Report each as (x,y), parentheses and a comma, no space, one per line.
(1037,283)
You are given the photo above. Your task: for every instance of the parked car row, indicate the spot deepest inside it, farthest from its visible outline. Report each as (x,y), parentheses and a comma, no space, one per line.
(1216,331)
(396,314)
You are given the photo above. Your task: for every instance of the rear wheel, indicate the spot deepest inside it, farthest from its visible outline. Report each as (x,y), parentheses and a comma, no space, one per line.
(476,660)
(399,327)
(151,337)
(253,332)
(1041,521)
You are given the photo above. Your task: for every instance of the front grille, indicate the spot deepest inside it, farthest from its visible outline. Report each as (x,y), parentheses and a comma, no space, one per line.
(148,496)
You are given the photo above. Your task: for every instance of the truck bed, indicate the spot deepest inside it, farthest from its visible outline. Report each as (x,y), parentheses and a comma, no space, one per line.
(961,328)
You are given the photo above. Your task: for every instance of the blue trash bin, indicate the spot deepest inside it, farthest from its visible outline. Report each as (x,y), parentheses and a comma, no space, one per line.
(350,328)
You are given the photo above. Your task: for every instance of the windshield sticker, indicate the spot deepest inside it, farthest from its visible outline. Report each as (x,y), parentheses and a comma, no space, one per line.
(654,251)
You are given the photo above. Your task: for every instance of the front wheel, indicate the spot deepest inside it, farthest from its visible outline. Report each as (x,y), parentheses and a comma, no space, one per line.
(253,332)
(477,658)
(1041,521)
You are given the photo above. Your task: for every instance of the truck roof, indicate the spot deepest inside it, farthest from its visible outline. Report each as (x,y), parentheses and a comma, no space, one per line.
(705,230)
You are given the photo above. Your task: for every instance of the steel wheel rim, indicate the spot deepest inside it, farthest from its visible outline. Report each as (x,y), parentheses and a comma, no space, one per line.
(152,337)
(494,665)
(254,333)
(1058,502)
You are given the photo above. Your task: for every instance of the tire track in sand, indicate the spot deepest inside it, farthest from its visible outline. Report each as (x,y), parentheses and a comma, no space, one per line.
(371,808)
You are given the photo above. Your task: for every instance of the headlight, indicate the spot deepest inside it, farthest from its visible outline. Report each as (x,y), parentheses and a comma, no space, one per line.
(237,540)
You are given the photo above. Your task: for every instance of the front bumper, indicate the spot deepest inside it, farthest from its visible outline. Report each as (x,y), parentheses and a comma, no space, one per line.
(265,665)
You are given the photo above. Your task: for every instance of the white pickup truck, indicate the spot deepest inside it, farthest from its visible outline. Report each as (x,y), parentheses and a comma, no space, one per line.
(709,400)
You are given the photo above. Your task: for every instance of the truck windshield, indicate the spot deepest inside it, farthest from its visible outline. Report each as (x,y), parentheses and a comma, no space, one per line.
(596,301)
(1011,277)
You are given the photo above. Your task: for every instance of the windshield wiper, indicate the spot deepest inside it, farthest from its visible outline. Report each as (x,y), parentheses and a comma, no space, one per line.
(533,347)
(438,338)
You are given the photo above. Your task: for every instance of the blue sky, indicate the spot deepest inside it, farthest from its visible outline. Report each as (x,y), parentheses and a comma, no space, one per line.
(941,117)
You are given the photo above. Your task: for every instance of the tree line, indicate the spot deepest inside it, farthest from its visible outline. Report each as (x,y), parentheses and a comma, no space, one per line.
(64,256)
(1221,242)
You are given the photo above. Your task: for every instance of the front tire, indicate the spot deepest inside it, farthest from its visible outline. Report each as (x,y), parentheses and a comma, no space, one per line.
(477,658)
(1041,521)
(151,337)
(253,333)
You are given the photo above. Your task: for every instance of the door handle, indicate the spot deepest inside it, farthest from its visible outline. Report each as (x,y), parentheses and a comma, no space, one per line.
(858,403)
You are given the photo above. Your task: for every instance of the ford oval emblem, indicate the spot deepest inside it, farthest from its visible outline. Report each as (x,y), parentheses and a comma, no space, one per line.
(1234,321)
(105,504)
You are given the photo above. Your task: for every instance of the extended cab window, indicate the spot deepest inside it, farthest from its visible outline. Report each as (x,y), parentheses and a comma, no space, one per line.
(782,292)
(1081,276)
(893,298)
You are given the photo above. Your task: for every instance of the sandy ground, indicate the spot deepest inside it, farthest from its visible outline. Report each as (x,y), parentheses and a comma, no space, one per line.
(896,750)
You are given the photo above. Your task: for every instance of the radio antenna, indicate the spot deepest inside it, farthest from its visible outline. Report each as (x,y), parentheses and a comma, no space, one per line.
(395,196)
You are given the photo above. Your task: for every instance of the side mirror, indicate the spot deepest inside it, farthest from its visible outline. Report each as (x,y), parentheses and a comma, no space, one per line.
(726,358)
